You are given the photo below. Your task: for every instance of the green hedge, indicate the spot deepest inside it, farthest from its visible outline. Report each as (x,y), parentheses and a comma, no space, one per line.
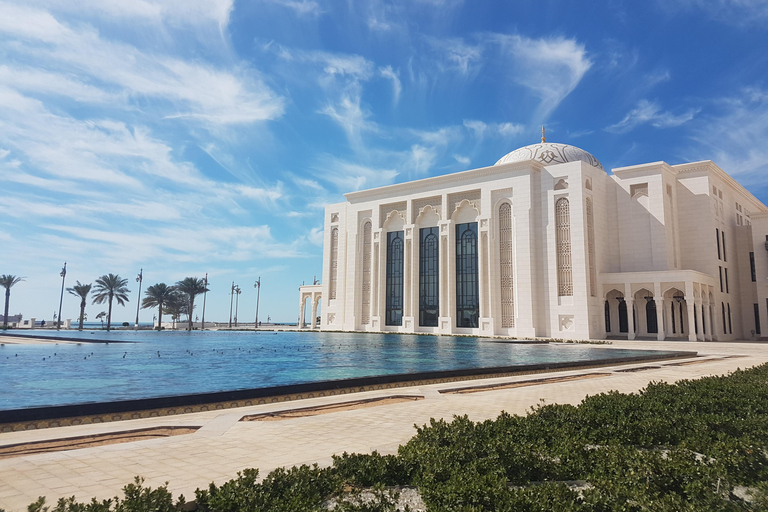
(670,447)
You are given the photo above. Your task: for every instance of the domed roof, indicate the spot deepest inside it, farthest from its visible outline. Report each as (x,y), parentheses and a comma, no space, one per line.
(549,153)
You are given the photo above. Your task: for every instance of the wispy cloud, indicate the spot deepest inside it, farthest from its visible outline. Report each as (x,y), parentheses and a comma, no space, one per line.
(397,87)
(124,70)
(300,7)
(456,54)
(349,176)
(734,137)
(549,67)
(648,112)
(734,12)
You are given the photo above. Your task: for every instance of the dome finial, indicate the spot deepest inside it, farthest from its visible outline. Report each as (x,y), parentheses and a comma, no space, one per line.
(543,137)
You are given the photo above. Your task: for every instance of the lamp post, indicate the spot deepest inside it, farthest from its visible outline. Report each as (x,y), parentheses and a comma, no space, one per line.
(257,285)
(63,275)
(238,291)
(139,279)
(202,328)
(231,299)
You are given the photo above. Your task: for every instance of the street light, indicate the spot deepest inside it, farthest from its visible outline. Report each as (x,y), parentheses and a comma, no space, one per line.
(63,275)
(231,298)
(139,279)
(238,291)
(257,285)
(204,294)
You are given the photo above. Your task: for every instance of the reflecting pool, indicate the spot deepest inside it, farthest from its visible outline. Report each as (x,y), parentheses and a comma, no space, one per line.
(153,364)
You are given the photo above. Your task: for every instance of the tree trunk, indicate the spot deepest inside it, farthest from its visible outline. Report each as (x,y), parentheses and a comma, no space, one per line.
(159,315)
(191,308)
(82,313)
(7,298)
(109,315)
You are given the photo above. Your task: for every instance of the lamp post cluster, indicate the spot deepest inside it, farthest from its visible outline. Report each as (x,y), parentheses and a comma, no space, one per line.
(235,291)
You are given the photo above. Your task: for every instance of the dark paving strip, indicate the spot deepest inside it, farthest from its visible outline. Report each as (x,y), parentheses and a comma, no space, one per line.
(698,361)
(73,443)
(326,409)
(522,383)
(639,369)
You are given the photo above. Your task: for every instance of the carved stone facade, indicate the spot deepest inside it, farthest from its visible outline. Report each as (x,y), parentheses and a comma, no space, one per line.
(546,243)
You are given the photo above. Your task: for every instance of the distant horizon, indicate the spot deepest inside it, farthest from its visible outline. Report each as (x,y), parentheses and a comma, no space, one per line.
(206,136)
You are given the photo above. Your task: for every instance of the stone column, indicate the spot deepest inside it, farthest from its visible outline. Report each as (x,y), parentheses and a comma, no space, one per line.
(706,317)
(313,322)
(660,318)
(630,317)
(301,311)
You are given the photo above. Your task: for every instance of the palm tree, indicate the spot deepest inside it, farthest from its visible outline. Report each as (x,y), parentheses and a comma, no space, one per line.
(101,316)
(7,281)
(82,291)
(159,294)
(191,287)
(109,287)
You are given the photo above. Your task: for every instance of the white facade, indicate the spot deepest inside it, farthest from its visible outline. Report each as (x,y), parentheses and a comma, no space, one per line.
(550,245)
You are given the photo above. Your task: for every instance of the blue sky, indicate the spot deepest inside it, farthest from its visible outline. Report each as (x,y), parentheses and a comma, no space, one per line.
(194,136)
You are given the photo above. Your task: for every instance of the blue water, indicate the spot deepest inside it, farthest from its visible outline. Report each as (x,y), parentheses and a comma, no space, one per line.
(176,363)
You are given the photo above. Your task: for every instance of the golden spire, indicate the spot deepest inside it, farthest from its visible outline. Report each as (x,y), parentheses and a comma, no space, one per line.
(543,137)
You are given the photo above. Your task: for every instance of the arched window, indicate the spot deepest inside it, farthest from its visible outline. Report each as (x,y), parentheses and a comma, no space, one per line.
(651,322)
(366,299)
(506,266)
(563,233)
(591,248)
(334,262)
(394,312)
(467,292)
(429,277)
(623,317)
(725,326)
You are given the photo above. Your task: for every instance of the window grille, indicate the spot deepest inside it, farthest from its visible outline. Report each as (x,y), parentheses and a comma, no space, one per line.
(467,292)
(366,313)
(429,277)
(563,227)
(506,266)
(394,313)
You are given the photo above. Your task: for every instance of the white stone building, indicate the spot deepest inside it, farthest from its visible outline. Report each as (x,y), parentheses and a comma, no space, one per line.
(546,243)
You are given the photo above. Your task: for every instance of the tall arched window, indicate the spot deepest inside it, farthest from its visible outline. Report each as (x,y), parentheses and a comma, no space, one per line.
(651,322)
(366,299)
(394,312)
(591,248)
(429,277)
(467,291)
(334,262)
(506,266)
(607,317)
(563,234)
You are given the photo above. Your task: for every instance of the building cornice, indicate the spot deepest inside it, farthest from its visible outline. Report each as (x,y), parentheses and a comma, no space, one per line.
(437,182)
(710,166)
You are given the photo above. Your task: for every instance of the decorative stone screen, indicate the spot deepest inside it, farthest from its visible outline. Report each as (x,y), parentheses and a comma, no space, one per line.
(563,228)
(591,248)
(366,299)
(506,266)
(334,262)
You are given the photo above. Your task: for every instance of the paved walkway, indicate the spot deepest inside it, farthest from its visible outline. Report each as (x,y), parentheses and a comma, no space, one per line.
(224,445)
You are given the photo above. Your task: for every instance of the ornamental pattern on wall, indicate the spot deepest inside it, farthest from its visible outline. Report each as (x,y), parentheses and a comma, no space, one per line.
(550,153)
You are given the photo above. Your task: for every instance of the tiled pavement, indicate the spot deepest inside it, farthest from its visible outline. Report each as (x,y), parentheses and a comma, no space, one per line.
(224,445)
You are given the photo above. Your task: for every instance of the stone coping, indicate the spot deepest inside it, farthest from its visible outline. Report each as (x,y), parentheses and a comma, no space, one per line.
(81,414)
